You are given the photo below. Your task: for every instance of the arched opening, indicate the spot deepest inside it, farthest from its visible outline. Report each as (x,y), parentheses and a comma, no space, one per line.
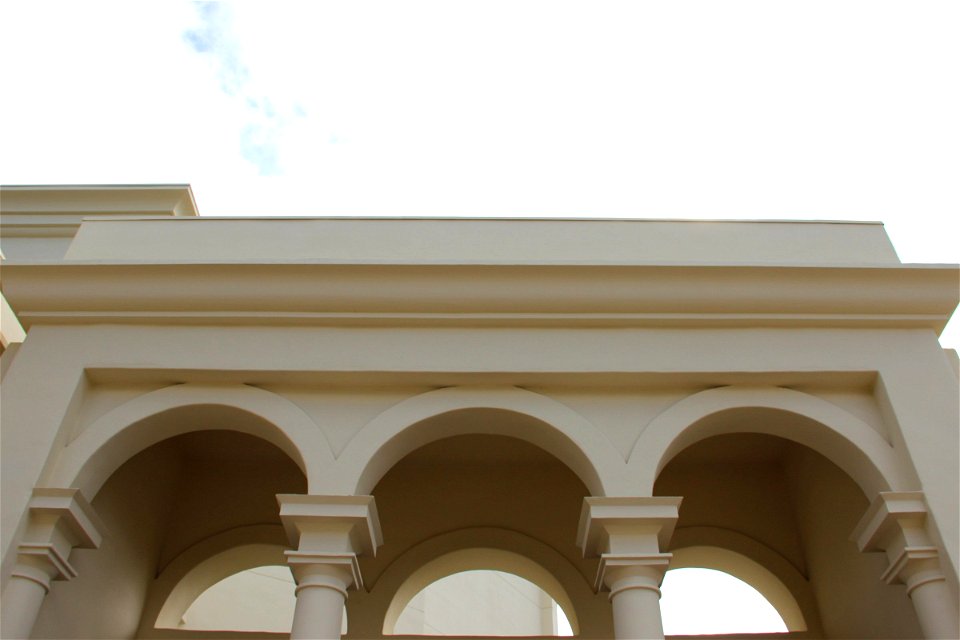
(258,599)
(495,592)
(160,508)
(224,579)
(790,510)
(457,605)
(845,440)
(479,501)
(711,570)
(98,452)
(510,412)
(723,604)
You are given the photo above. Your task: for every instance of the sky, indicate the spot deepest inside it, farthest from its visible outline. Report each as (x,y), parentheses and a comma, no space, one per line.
(829,110)
(762,109)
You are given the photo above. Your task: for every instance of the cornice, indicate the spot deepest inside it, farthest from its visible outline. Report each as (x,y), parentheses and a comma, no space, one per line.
(86,200)
(485,295)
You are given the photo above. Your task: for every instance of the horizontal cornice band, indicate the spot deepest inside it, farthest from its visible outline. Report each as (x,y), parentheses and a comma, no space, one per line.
(239,318)
(598,295)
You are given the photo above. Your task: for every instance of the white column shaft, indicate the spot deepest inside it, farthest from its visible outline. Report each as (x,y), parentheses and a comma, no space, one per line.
(936,609)
(635,596)
(321,594)
(22,600)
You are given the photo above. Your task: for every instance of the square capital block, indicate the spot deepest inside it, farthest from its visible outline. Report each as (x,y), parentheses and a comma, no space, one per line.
(894,519)
(331,524)
(626,524)
(57,512)
(60,519)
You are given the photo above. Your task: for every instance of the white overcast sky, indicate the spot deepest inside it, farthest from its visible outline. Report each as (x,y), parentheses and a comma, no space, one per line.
(767,109)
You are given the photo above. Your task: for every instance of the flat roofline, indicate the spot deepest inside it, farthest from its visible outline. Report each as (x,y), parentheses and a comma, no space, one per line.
(89,187)
(39,201)
(496,240)
(270,218)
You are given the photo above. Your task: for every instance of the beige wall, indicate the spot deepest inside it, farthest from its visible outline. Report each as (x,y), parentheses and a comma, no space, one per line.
(478,403)
(340,412)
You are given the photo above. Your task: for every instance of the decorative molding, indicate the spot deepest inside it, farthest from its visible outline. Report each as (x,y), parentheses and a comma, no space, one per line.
(66,205)
(896,524)
(606,524)
(48,553)
(655,564)
(329,532)
(60,519)
(349,521)
(887,517)
(67,508)
(299,560)
(316,293)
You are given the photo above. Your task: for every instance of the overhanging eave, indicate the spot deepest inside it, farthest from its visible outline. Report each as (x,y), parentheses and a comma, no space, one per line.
(641,295)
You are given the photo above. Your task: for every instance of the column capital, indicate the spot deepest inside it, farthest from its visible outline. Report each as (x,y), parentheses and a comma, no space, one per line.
(891,515)
(59,520)
(327,534)
(626,525)
(646,571)
(896,523)
(304,565)
(331,524)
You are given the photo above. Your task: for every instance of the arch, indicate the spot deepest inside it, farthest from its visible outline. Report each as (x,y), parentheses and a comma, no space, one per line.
(783,571)
(472,559)
(406,426)
(196,569)
(481,548)
(838,435)
(753,573)
(115,437)
(211,571)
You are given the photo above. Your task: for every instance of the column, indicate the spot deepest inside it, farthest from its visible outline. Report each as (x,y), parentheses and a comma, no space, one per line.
(896,524)
(59,520)
(327,534)
(629,534)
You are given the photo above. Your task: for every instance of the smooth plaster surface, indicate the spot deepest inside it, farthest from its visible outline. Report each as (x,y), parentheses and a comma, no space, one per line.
(180,397)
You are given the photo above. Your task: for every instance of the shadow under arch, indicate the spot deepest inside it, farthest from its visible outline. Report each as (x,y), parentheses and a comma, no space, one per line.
(838,435)
(89,460)
(419,420)
(481,548)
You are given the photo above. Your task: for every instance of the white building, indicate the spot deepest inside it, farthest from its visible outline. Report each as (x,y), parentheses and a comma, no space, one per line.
(379,403)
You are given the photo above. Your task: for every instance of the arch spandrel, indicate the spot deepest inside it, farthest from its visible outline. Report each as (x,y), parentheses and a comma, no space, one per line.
(406,426)
(841,437)
(117,436)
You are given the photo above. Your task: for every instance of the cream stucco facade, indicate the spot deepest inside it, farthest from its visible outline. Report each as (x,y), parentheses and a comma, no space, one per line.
(379,403)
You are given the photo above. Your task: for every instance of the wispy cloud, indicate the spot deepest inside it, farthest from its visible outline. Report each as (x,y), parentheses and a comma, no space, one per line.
(258,145)
(214,37)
